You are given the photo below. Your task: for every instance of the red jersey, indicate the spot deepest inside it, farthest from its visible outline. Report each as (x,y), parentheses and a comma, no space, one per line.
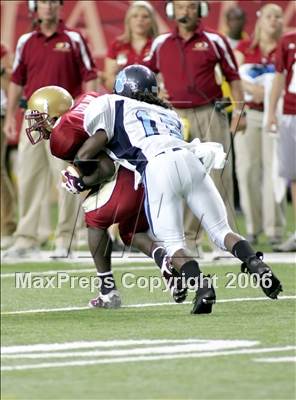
(68,134)
(62,59)
(286,62)
(188,67)
(125,54)
(253,55)
(122,204)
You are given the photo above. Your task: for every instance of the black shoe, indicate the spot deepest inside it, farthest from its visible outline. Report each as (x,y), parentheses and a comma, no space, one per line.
(179,295)
(179,292)
(255,266)
(205,297)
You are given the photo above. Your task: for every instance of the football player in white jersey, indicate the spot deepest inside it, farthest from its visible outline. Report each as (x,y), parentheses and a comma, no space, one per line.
(53,115)
(145,135)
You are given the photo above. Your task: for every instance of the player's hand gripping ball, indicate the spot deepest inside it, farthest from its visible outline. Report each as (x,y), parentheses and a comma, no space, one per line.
(72,181)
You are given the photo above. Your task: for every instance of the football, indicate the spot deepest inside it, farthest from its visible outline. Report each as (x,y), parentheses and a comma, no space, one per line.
(72,170)
(102,163)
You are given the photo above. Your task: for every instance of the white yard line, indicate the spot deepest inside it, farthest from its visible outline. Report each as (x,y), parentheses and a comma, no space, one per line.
(27,348)
(231,300)
(144,358)
(275,359)
(165,348)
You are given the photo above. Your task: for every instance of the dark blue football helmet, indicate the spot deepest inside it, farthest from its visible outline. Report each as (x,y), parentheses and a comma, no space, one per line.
(135,79)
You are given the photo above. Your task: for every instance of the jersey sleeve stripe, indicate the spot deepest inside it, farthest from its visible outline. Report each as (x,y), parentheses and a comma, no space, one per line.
(216,39)
(77,39)
(19,49)
(157,42)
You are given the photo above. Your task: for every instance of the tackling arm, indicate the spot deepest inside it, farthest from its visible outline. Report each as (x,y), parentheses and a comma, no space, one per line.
(88,154)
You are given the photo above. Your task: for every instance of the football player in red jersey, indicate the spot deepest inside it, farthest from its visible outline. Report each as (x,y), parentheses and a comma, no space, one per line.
(53,115)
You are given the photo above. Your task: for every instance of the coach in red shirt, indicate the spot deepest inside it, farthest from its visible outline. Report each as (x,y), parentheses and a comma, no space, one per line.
(191,61)
(285,80)
(52,54)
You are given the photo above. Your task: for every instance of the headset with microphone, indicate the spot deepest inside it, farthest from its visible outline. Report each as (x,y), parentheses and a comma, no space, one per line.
(202,10)
(32,5)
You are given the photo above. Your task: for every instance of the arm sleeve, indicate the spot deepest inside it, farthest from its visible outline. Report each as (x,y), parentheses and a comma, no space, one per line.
(19,70)
(152,60)
(98,116)
(227,60)
(87,67)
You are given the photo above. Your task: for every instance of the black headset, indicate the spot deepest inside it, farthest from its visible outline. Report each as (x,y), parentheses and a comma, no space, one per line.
(202,9)
(32,5)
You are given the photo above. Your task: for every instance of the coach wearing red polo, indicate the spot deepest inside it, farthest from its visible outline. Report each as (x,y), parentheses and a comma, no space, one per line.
(191,61)
(51,54)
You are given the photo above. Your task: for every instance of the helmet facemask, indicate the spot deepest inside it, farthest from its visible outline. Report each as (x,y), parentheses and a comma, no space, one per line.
(39,126)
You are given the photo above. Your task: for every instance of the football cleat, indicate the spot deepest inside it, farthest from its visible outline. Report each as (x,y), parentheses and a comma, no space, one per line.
(178,292)
(110,300)
(205,297)
(269,283)
(179,295)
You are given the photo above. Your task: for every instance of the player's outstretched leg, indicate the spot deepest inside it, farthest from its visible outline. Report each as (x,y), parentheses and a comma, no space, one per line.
(205,295)
(101,246)
(253,264)
(170,274)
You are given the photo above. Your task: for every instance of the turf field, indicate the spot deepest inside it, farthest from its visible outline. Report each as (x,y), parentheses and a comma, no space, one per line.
(149,349)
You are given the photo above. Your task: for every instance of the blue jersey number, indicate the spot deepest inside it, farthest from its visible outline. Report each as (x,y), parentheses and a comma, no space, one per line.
(149,125)
(173,125)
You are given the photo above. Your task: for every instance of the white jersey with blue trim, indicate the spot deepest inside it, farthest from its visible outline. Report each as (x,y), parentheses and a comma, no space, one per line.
(137,131)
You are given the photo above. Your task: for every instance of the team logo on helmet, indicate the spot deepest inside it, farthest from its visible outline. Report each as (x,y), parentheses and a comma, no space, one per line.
(135,79)
(120,82)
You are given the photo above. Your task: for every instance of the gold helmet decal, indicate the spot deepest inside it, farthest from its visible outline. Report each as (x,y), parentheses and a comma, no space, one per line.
(44,107)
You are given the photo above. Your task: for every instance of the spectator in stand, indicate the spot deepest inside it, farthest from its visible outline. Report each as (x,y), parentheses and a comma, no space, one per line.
(285,79)
(255,149)
(52,54)
(188,60)
(235,19)
(140,28)
(8,200)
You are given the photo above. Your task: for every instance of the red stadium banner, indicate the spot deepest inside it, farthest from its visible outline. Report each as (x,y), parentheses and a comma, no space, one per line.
(101,21)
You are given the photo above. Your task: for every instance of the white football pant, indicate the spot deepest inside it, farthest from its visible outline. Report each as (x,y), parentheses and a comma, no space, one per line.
(172,177)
